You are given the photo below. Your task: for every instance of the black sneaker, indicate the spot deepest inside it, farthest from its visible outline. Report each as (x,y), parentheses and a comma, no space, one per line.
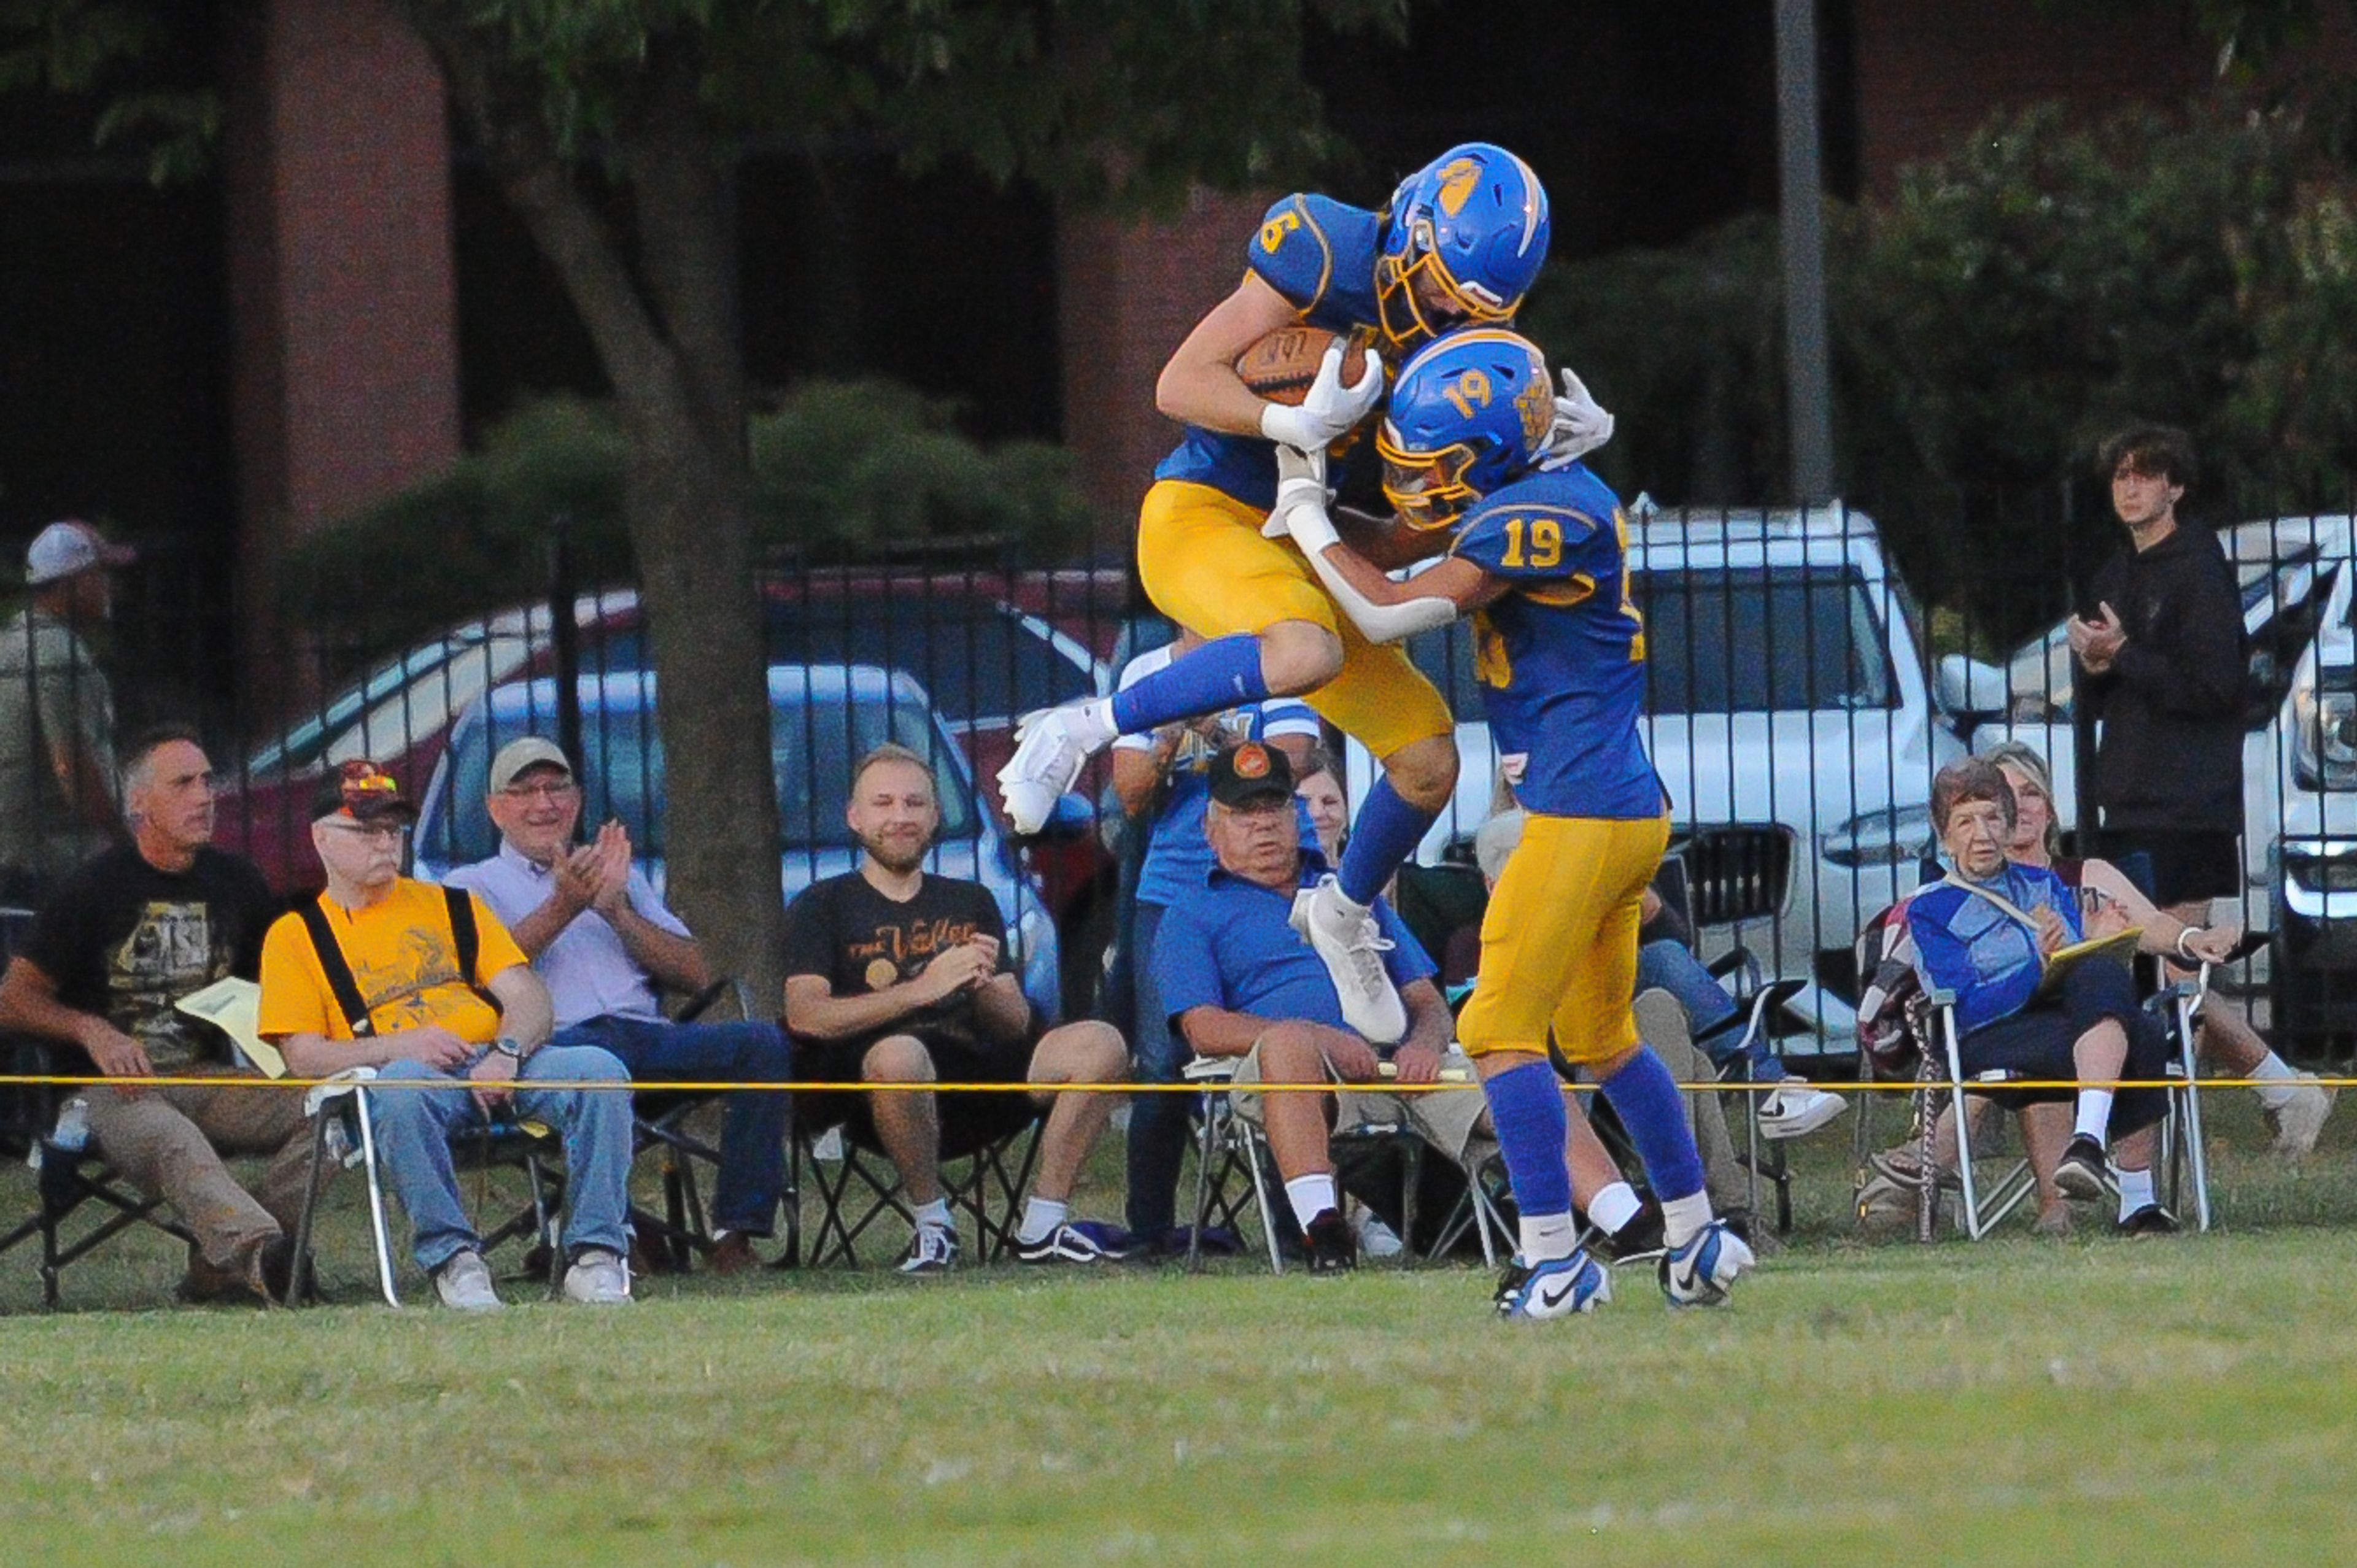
(2152,1220)
(933,1250)
(1640,1237)
(1331,1247)
(2079,1174)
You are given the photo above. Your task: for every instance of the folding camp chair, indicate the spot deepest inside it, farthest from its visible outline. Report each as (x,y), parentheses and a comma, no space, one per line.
(1229,1147)
(72,1176)
(1980,1208)
(856,1187)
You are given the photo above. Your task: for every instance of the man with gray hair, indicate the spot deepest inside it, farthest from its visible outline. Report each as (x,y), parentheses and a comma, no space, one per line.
(57,715)
(117,945)
(602,940)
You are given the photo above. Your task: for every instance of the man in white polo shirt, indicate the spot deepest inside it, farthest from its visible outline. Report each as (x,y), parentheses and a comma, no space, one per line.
(604,944)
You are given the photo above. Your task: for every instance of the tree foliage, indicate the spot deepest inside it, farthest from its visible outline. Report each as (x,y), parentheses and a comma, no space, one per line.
(2016,300)
(842,471)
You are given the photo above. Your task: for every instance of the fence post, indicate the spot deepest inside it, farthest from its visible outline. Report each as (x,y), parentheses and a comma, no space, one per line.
(564,634)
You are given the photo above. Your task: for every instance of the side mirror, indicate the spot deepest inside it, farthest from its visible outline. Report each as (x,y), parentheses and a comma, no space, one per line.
(1966,687)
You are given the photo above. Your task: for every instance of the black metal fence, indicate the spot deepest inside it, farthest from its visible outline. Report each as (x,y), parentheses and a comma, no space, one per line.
(1802,698)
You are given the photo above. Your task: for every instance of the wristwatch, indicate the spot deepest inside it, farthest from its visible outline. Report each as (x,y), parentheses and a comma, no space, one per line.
(508,1048)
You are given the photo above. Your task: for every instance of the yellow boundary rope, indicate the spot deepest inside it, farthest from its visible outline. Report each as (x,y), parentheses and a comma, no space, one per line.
(241,1080)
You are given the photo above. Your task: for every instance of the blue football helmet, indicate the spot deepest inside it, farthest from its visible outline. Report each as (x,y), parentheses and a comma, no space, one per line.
(1467,236)
(1468,414)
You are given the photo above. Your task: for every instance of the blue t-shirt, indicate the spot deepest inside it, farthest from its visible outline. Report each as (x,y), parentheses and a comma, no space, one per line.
(1320,256)
(1966,944)
(1227,944)
(1561,658)
(1177,855)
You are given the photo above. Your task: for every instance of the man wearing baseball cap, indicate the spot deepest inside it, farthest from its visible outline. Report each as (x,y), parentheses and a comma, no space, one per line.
(426,985)
(56,714)
(602,940)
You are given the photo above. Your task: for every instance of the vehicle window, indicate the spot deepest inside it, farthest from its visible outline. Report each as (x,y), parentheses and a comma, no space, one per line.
(1763,640)
(303,742)
(812,748)
(978,662)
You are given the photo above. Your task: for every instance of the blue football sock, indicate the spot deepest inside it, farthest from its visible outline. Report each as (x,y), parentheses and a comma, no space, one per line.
(1526,1111)
(1646,1099)
(1386,832)
(1217,676)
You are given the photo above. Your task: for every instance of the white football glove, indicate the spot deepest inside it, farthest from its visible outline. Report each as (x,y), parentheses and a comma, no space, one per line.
(1301,498)
(1329,410)
(1581,425)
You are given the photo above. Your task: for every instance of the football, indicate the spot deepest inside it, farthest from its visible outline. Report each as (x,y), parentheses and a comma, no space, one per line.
(1281,366)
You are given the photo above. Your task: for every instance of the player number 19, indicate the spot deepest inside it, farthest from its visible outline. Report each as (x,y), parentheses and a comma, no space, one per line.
(1545,542)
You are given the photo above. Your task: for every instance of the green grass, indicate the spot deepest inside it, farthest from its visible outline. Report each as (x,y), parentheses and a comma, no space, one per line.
(2092,1402)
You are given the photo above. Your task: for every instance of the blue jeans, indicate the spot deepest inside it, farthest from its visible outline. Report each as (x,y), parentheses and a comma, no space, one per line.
(753,1126)
(414,1128)
(1670,965)
(1157,1122)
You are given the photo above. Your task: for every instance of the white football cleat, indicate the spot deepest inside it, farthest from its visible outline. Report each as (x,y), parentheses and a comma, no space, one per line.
(1346,936)
(1700,1272)
(1564,1287)
(1052,746)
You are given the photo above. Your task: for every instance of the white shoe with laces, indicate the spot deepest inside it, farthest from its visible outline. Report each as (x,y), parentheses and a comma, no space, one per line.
(1376,1239)
(1794,1110)
(464,1283)
(1051,748)
(2297,1121)
(1345,935)
(598,1278)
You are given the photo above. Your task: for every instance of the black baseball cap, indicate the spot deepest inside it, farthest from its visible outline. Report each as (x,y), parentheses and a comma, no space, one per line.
(1243,775)
(362,792)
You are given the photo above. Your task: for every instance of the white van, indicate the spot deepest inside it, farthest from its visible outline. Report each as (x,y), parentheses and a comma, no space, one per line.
(1791,718)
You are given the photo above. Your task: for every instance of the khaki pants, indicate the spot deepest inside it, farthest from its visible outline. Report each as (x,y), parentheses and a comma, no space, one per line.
(169,1142)
(1443,1117)
(1663,1026)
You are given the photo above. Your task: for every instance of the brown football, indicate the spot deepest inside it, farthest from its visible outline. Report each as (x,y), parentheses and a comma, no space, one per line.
(1281,366)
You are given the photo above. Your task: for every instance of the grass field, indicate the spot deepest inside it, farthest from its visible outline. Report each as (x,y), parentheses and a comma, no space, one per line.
(2087,1402)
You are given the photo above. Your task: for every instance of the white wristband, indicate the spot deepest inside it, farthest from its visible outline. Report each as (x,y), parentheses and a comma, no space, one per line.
(2183,932)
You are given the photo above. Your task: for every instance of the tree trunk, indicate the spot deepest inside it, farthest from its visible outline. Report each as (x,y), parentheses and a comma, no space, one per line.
(665,335)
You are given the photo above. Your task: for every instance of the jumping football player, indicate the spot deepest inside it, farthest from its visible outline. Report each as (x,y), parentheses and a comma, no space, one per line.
(1463,241)
(1537,552)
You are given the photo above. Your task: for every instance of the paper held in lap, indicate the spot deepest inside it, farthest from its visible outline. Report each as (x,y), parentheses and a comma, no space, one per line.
(2120,946)
(234,1006)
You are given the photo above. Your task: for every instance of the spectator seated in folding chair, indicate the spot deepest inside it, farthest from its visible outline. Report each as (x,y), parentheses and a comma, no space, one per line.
(116,946)
(424,985)
(896,976)
(1242,984)
(1985,936)
(602,942)
(1157,778)
(2293,1103)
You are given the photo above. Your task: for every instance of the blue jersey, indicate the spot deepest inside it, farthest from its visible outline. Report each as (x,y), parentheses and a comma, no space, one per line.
(1562,656)
(1974,946)
(1320,256)
(1177,855)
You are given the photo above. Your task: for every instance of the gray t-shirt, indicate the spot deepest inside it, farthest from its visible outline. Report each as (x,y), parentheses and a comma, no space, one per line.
(48,672)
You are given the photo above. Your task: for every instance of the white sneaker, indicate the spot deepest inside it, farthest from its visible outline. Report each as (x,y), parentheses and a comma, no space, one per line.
(2300,1117)
(1376,1239)
(464,1282)
(1052,746)
(598,1278)
(1346,936)
(1794,1110)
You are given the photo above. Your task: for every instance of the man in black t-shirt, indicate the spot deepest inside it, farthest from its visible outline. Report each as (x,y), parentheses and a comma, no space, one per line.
(116,945)
(894,975)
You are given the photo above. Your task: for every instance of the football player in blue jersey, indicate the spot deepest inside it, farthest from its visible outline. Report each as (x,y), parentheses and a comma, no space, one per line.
(1461,241)
(1536,550)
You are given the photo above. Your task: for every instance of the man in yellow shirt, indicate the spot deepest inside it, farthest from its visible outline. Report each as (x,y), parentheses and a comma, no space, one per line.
(426,985)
